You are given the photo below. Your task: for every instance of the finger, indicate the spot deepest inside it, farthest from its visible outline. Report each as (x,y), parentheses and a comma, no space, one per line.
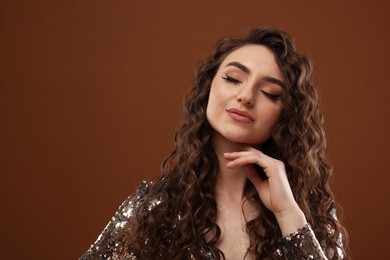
(234,155)
(242,160)
(252,175)
(261,185)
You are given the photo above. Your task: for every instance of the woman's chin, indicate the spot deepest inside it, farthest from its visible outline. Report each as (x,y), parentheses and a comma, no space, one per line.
(243,140)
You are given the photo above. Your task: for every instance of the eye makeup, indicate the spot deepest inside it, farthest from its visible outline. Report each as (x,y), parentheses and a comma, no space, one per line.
(231,79)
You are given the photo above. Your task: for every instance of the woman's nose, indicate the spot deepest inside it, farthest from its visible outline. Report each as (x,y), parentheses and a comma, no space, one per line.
(246,97)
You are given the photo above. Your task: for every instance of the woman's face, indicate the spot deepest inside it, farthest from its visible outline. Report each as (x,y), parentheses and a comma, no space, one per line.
(245,97)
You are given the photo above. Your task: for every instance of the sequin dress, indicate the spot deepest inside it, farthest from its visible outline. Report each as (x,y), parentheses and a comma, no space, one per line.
(301,244)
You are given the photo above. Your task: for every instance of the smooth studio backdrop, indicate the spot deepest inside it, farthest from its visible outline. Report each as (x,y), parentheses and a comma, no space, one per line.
(91,93)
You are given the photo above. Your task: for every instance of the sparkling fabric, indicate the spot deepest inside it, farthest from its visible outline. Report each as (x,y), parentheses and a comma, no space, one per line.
(301,244)
(110,242)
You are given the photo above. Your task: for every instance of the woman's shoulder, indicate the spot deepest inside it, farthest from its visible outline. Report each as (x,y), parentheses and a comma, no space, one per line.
(146,190)
(109,242)
(131,204)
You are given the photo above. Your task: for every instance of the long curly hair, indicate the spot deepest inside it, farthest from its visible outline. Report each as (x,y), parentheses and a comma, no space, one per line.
(175,227)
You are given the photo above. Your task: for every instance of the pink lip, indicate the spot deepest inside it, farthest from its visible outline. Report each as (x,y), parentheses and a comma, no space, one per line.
(239,115)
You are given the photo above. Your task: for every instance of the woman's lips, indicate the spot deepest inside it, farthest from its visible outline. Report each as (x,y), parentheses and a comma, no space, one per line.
(239,115)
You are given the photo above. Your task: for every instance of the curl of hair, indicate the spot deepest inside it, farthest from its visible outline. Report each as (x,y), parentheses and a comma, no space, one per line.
(175,228)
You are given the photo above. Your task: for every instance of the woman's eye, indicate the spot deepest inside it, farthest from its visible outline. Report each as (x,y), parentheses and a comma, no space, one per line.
(271,96)
(232,80)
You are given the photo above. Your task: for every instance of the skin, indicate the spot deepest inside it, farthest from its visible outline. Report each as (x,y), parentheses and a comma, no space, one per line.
(248,80)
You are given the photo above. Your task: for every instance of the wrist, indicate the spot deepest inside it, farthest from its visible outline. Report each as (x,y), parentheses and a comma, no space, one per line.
(290,220)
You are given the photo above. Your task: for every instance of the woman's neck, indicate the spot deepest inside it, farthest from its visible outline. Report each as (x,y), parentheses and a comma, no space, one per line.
(230,182)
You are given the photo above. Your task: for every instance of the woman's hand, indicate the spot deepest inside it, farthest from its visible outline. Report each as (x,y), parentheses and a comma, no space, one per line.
(275,192)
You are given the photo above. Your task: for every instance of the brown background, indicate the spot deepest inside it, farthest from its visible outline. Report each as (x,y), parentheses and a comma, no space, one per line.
(91,92)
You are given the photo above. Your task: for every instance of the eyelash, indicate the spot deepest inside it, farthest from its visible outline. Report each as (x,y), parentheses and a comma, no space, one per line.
(271,96)
(232,80)
(236,81)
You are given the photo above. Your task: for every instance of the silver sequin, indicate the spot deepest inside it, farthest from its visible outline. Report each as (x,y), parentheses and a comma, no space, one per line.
(301,244)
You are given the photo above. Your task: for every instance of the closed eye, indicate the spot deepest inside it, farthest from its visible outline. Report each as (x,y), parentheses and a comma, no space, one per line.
(271,96)
(232,80)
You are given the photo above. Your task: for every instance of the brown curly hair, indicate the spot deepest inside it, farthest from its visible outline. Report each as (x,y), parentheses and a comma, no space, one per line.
(175,228)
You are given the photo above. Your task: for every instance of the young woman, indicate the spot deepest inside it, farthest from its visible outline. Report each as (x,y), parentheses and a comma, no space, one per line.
(248,178)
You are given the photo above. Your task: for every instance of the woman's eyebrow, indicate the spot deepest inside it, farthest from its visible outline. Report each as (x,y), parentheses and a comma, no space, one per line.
(274,81)
(240,66)
(248,71)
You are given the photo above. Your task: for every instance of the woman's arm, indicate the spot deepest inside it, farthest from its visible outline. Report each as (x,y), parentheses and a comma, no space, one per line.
(299,241)
(303,244)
